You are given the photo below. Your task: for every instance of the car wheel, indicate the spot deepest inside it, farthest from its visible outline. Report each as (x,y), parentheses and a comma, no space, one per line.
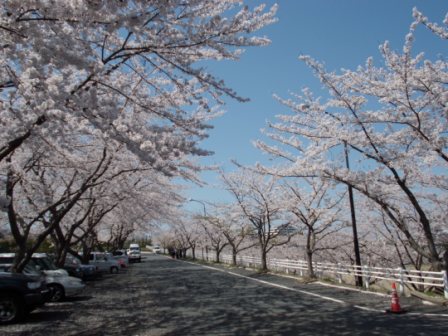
(114,270)
(12,309)
(57,293)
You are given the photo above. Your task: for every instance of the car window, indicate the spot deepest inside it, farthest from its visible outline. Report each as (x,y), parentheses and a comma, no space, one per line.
(6,260)
(45,264)
(30,268)
(40,263)
(49,264)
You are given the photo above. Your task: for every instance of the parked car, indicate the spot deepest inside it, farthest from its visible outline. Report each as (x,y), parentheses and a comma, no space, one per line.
(134,253)
(87,271)
(74,269)
(46,264)
(122,257)
(104,262)
(57,280)
(19,295)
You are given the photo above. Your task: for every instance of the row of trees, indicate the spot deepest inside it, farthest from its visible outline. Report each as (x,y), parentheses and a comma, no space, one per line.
(102,108)
(269,214)
(380,131)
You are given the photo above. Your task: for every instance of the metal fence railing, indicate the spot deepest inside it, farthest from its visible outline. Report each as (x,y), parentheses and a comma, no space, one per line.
(422,280)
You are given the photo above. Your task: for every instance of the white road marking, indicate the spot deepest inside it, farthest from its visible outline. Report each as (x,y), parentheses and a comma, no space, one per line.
(313,294)
(427,314)
(278,286)
(369,309)
(351,289)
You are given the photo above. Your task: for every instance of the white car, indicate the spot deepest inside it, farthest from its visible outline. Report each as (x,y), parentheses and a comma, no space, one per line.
(156,249)
(134,253)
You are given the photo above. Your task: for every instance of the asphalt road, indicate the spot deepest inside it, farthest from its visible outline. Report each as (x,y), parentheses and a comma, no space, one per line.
(162,296)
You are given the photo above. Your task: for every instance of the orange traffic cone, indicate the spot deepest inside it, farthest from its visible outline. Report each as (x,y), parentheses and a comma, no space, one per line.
(395,302)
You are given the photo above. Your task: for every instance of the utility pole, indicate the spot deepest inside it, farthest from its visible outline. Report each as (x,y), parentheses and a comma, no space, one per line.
(358,278)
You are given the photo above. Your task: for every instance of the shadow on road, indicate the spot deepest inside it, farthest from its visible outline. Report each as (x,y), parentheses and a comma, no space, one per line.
(162,296)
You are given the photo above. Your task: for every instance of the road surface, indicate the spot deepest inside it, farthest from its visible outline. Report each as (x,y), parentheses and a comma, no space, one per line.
(162,296)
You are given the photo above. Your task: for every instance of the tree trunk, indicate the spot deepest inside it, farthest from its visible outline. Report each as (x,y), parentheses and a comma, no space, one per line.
(309,259)
(61,253)
(264,260)
(217,255)
(445,259)
(234,253)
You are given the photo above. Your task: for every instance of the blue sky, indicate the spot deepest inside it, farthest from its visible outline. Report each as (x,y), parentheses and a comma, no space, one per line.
(341,33)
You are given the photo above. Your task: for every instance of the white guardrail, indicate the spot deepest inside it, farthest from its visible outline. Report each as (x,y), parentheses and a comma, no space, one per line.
(404,277)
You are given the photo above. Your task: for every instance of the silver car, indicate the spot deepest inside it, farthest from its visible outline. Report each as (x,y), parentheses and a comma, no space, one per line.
(104,262)
(58,279)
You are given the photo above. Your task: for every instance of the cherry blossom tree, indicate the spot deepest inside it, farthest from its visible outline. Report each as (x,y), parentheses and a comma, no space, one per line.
(213,229)
(165,238)
(392,119)
(257,198)
(92,189)
(318,213)
(69,232)
(41,196)
(187,234)
(122,70)
(236,229)
(121,73)
(106,210)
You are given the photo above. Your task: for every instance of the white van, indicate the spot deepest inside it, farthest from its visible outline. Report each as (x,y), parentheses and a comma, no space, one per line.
(134,253)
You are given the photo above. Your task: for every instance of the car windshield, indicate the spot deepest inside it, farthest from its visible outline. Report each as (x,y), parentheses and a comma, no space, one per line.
(30,267)
(134,249)
(45,263)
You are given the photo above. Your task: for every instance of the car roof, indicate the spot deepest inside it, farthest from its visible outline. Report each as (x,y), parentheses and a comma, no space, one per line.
(7,255)
(40,255)
(12,254)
